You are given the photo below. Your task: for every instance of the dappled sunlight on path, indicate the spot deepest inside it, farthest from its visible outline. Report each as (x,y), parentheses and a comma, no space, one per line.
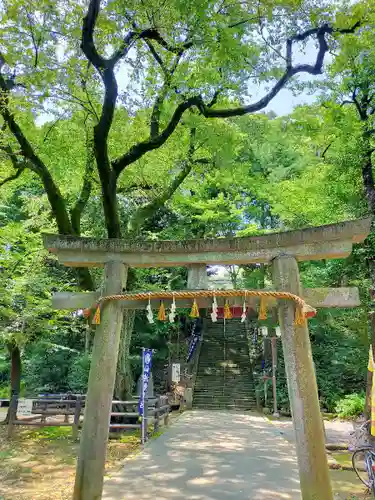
(211,456)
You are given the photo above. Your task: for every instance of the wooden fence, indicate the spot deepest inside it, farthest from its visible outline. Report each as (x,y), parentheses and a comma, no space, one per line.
(68,413)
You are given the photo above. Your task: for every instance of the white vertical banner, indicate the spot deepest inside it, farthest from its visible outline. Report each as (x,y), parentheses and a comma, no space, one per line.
(176,372)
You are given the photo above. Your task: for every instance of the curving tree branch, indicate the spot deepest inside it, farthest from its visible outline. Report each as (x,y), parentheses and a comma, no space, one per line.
(290,71)
(148,210)
(159,101)
(207,110)
(14,176)
(138,150)
(85,193)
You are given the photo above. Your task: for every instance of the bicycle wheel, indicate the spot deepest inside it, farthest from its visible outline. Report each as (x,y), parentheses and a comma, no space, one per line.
(371,472)
(360,461)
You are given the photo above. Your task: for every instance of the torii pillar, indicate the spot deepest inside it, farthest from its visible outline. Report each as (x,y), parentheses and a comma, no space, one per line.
(302,387)
(93,446)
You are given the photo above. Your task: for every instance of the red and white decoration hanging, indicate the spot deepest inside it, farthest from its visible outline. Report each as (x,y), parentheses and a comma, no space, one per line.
(214,310)
(149,314)
(172,313)
(244,309)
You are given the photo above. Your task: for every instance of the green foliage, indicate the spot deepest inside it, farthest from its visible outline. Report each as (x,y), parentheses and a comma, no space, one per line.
(351,405)
(51,434)
(47,369)
(4,392)
(78,374)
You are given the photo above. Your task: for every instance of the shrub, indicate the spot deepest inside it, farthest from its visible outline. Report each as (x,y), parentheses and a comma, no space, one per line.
(4,391)
(79,373)
(351,405)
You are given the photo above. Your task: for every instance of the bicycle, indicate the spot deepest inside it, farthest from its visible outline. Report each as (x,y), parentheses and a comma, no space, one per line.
(363,460)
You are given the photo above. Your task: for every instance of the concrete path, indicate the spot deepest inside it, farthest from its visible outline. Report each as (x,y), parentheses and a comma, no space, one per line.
(336,431)
(211,456)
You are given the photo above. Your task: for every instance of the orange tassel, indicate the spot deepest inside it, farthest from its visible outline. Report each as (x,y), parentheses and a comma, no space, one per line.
(299,318)
(262,309)
(96,318)
(194,313)
(227,311)
(161,314)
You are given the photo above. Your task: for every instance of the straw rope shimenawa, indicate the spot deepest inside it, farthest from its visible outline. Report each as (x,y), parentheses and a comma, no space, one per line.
(303,310)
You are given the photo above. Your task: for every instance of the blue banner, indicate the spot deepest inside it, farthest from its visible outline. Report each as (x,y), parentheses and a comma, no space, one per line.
(195,332)
(146,372)
(192,346)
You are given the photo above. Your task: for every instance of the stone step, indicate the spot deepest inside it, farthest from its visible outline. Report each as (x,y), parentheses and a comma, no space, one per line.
(227,364)
(228,406)
(219,387)
(224,387)
(225,396)
(210,380)
(225,390)
(225,369)
(233,375)
(243,404)
(224,379)
(228,384)
(219,398)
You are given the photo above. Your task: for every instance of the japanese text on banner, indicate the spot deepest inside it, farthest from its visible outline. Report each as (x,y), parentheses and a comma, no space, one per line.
(147,363)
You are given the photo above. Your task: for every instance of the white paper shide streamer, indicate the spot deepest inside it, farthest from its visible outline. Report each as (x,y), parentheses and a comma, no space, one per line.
(214,311)
(149,314)
(172,314)
(243,315)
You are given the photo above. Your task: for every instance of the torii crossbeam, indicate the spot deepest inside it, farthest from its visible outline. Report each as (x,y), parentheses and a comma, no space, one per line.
(282,251)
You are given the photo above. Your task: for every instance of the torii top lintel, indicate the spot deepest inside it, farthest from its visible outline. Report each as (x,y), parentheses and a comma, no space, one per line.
(332,241)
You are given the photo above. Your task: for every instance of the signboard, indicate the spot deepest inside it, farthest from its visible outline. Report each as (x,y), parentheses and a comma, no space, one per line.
(176,372)
(25,407)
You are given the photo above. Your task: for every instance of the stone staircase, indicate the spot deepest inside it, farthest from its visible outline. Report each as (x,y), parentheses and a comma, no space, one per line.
(224,378)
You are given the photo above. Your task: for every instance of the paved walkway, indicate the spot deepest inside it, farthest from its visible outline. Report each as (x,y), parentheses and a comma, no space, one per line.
(211,456)
(337,431)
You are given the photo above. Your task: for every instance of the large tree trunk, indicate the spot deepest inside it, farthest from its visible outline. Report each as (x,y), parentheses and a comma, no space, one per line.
(124,378)
(369,190)
(15,380)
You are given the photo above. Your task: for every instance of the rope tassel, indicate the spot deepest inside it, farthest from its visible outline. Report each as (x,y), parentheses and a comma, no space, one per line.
(96,318)
(299,318)
(262,309)
(194,313)
(227,311)
(161,314)
(303,313)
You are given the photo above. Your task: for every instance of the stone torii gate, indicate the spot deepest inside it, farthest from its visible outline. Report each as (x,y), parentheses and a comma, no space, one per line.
(283,251)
